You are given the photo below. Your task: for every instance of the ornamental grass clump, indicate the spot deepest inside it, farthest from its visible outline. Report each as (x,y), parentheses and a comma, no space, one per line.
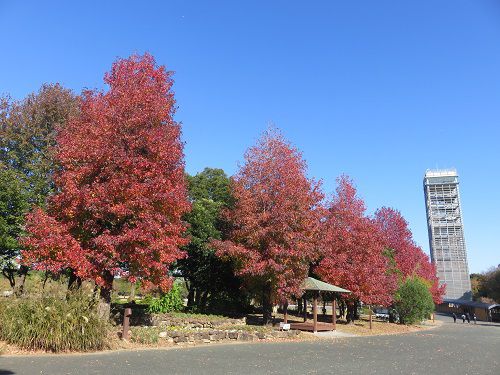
(53,324)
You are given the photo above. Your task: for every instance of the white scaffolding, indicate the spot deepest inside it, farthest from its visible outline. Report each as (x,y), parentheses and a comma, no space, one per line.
(446,235)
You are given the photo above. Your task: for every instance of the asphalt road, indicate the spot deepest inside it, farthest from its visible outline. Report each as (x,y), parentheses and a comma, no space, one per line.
(450,349)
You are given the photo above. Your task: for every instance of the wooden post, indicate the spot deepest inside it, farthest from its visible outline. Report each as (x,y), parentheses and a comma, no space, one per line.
(334,313)
(305,309)
(285,312)
(126,322)
(370,318)
(315,313)
(433,314)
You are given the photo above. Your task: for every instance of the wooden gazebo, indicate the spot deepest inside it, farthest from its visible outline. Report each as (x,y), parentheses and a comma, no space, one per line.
(317,286)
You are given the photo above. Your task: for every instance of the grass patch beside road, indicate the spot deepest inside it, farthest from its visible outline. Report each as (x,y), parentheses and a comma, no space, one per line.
(362,328)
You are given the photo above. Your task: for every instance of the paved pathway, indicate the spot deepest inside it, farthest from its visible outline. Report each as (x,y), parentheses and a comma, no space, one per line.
(453,349)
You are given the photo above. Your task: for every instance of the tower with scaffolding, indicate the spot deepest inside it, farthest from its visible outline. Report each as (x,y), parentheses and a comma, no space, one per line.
(446,233)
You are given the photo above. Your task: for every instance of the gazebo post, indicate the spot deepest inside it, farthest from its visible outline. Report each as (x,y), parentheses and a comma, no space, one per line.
(334,313)
(285,312)
(315,313)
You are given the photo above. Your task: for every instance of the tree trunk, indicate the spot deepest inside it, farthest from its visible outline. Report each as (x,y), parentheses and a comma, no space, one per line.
(299,306)
(267,307)
(351,312)
(203,301)
(342,308)
(104,306)
(9,274)
(190,296)
(74,282)
(19,289)
(131,296)
(197,295)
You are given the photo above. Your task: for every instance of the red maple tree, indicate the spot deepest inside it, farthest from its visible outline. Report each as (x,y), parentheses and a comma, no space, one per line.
(121,186)
(275,220)
(409,258)
(352,251)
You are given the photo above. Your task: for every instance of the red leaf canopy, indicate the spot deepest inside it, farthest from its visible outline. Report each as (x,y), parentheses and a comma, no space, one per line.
(353,249)
(121,184)
(409,258)
(276,217)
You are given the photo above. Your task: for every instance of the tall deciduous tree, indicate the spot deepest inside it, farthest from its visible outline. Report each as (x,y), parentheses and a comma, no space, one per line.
(28,130)
(121,188)
(410,259)
(353,251)
(275,220)
(211,282)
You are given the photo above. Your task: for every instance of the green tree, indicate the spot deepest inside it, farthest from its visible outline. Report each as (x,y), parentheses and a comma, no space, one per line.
(476,281)
(27,136)
(27,139)
(210,281)
(490,285)
(413,300)
(13,206)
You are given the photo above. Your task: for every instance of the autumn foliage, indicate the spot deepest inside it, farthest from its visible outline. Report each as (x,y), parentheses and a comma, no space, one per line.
(120,197)
(121,189)
(352,249)
(410,259)
(275,219)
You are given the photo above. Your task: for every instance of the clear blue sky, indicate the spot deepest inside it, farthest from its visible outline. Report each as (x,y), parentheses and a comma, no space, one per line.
(380,90)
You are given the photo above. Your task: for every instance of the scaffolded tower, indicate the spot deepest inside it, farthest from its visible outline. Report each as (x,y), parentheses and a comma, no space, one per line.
(446,234)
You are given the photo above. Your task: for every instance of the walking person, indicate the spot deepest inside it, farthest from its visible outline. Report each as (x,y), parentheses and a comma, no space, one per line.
(475,318)
(467,316)
(454,318)
(463,318)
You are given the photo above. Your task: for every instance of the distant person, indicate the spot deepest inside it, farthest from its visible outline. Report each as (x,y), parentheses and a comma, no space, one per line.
(467,316)
(463,318)
(454,318)
(475,318)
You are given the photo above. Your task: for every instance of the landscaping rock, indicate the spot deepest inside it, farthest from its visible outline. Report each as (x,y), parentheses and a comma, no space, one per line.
(233,335)
(261,335)
(245,336)
(180,338)
(163,335)
(174,334)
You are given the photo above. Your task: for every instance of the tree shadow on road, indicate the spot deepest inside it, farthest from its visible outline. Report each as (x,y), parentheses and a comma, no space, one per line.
(6,372)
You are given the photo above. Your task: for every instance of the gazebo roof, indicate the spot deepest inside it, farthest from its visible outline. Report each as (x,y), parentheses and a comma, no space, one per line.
(313,284)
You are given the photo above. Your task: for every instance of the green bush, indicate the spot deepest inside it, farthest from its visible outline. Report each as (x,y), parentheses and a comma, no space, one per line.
(414,301)
(52,324)
(171,301)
